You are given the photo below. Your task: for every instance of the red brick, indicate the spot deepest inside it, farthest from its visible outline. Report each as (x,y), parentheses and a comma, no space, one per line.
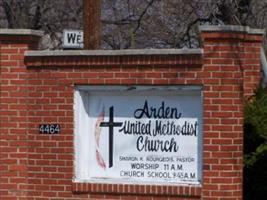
(44,168)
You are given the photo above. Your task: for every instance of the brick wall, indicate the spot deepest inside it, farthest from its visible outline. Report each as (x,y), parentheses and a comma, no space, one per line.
(232,63)
(13,113)
(40,167)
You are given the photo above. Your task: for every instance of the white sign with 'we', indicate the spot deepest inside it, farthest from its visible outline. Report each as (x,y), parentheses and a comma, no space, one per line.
(72,39)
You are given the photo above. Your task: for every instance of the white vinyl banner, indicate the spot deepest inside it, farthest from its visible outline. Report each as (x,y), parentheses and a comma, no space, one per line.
(146,136)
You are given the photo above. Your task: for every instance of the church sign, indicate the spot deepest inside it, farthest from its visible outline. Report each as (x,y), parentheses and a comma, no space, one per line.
(138,134)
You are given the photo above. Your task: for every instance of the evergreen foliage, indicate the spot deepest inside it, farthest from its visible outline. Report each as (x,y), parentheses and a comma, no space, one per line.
(255,147)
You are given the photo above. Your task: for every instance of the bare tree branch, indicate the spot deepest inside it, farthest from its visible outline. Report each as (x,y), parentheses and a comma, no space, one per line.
(134,23)
(142,15)
(9,14)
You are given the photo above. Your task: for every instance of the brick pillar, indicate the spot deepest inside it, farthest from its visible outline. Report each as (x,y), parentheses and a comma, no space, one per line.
(13,111)
(231,73)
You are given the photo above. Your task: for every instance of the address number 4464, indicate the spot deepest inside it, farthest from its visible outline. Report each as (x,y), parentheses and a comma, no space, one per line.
(49,128)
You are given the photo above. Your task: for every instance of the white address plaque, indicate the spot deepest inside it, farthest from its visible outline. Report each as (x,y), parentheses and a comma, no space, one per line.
(144,135)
